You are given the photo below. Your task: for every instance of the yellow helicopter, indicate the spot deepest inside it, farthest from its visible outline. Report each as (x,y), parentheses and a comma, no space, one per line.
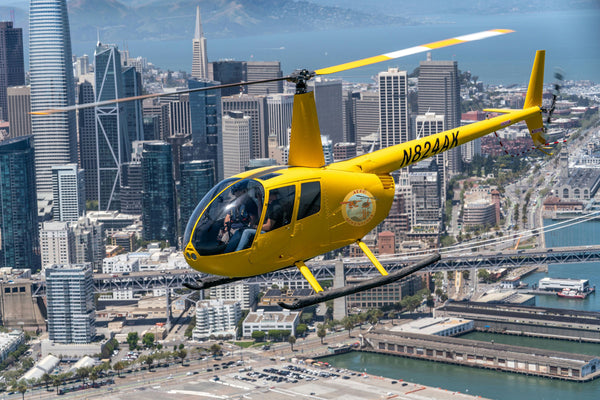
(277,217)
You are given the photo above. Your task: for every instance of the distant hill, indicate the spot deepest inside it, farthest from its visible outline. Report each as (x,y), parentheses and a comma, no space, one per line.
(162,20)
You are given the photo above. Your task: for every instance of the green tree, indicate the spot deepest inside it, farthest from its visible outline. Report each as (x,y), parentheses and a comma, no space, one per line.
(132,340)
(182,354)
(83,373)
(258,336)
(149,360)
(348,324)
(392,315)
(215,349)
(119,366)
(484,275)
(148,340)
(321,332)
(46,378)
(291,341)
(94,376)
(22,388)
(301,329)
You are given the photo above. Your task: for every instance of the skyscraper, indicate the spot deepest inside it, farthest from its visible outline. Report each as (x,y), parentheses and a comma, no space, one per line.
(256,108)
(12,69)
(197,178)
(439,92)
(18,99)
(229,72)
(205,112)
(68,189)
(427,125)
(366,115)
(280,108)
(393,107)
(236,142)
(259,70)
(58,243)
(51,70)
(158,195)
(132,86)
(112,136)
(88,156)
(328,98)
(199,58)
(18,205)
(70,297)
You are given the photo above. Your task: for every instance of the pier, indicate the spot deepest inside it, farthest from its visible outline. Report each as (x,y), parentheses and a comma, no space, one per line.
(473,353)
(551,323)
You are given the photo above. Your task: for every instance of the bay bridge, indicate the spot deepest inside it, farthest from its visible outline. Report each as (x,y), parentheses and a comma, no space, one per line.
(325,270)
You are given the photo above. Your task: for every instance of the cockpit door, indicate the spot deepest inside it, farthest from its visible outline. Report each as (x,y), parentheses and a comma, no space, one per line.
(277,225)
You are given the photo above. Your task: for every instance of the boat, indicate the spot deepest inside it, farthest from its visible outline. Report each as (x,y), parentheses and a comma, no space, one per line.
(574,294)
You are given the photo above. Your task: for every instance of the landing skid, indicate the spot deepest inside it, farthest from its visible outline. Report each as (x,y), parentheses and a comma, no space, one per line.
(359,287)
(211,281)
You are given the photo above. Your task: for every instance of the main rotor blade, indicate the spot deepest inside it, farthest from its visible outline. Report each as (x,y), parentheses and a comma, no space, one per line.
(412,50)
(153,95)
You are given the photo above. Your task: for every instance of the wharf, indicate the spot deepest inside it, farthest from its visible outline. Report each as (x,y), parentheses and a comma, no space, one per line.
(527,320)
(473,353)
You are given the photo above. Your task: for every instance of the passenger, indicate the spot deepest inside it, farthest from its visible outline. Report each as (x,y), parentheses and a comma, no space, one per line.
(274,214)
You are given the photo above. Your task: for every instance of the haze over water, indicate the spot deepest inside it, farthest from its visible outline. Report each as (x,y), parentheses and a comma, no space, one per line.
(570,39)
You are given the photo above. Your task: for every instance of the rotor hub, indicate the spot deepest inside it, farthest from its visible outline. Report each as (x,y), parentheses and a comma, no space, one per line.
(300,77)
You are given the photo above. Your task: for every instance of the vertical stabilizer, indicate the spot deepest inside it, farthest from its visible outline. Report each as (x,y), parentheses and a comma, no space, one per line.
(306,149)
(536,81)
(535,124)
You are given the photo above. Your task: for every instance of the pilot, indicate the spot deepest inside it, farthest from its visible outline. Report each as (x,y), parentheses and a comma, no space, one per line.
(243,215)
(274,214)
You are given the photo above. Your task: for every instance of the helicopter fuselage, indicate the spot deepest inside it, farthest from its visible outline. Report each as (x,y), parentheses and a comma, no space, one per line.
(320,210)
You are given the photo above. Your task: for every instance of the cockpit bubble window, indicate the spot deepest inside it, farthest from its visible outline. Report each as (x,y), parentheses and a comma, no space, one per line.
(202,205)
(229,223)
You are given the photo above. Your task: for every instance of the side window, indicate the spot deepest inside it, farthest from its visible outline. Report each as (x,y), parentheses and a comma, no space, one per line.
(280,208)
(310,199)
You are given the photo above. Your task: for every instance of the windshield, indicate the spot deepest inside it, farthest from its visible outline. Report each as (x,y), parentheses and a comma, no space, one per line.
(229,223)
(202,205)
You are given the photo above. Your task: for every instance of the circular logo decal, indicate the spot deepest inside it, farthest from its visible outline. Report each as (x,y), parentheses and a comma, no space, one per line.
(358,207)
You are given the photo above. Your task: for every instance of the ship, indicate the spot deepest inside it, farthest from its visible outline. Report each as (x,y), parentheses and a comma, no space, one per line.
(574,294)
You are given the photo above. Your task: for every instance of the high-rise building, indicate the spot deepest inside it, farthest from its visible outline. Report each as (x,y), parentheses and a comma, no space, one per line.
(86,123)
(393,107)
(228,72)
(179,115)
(366,115)
(151,127)
(51,71)
(236,142)
(20,243)
(18,99)
(112,136)
(344,151)
(256,108)
(199,58)
(68,192)
(12,67)
(70,302)
(328,98)
(280,108)
(155,108)
(260,70)
(132,86)
(158,195)
(205,113)
(58,243)
(131,188)
(429,124)
(89,242)
(197,178)
(426,195)
(216,317)
(177,142)
(439,92)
